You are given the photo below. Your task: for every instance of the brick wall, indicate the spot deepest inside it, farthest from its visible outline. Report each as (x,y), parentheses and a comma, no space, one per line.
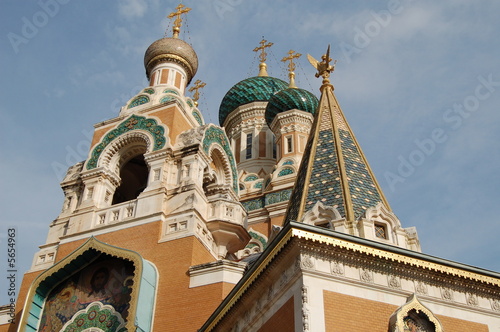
(349,313)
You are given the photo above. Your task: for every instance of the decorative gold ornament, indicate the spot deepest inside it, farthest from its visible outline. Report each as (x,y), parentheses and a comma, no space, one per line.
(291,66)
(263,56)
(324,68)
(181,9)
(197,86)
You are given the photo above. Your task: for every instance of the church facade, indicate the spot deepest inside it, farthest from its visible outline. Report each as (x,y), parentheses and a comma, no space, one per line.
(272,221)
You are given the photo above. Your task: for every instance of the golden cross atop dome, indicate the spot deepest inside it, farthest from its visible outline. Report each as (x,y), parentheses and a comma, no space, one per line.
(291,66)
(262,56)
(324,68)
(181,9)
(197,86)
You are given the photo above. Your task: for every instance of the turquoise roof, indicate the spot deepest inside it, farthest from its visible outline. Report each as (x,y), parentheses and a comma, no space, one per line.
(258,88)
(291,98)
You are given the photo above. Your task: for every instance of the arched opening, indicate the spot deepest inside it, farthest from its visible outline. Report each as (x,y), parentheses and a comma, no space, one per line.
(134,179)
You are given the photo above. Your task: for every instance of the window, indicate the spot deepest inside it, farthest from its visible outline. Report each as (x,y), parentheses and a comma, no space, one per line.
(289,144)
(134,179)
(249,146)
(380,231)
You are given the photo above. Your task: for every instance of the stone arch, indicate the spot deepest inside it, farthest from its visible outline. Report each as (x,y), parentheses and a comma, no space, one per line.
(220,165)
(215,137)
(142,283)
(147,128)
(414,316)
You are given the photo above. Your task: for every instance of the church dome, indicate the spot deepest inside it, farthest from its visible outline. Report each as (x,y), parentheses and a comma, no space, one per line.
(291,98)
(171,50)
(258,88)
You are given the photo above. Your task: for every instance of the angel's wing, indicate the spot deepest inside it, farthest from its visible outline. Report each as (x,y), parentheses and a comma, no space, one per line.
(313,61)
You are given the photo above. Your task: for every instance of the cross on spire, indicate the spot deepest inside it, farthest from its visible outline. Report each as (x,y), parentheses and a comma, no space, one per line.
(197,86)
(291,66)
(262,56)
(181,9)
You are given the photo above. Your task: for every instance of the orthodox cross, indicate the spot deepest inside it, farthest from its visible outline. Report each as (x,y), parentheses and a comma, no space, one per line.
(197,86)
(290,57)
(291,66)
(181,9)
(262,48)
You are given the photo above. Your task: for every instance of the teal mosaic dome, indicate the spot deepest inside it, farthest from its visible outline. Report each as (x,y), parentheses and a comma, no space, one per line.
(258,88)
(291,98)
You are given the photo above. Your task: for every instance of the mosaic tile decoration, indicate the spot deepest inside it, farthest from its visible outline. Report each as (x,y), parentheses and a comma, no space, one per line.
(134,122)
(291,98)
(258,237)
(285,171)
(288,162)
(258,88)
(250,178)
(166,99)
(149,90)
(268,199)
(171,91)
(139,100)
(96,315)
(215,135)
(322,171)
(197,117)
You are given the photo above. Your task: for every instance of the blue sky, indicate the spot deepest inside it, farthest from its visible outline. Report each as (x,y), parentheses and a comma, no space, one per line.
(419,82)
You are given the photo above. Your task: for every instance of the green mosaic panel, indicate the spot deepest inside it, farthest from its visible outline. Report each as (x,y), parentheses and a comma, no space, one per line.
(149,90)
(134,122)
(138,101)
(166,99)
(95,316)
(197,117)
(189,102)
(251,178)
(258,185)
(286,171)
(258,88)
(288,162)
(364,193)
(278,196)
(253,204)
(171,91)
(257,237)
(215,135)
(288,99)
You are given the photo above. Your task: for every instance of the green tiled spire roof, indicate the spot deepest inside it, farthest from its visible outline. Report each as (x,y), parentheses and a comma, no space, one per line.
(334,170)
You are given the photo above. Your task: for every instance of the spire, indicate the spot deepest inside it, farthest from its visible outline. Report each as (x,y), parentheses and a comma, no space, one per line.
(181,9)
(334,170)
(263,56)
(197,86)
(291,66)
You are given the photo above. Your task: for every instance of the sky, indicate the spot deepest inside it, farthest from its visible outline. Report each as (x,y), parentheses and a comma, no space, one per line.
(418,81)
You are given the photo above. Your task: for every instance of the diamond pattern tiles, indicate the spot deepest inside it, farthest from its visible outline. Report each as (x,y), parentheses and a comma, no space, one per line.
(329,165)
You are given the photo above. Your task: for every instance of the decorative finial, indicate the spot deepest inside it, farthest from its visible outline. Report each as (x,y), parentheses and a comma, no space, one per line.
(291,66)
(262,56)
(324,68)
(181,9)
(197,86)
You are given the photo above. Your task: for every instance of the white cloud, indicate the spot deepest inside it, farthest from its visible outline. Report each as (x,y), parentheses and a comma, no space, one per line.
(132,8)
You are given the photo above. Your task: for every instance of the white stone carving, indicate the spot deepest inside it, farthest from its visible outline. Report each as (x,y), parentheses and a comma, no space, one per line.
(321,214)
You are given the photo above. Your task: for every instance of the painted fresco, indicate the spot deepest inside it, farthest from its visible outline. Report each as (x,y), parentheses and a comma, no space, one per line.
(107,280)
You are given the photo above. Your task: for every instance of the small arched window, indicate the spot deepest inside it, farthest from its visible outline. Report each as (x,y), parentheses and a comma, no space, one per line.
(134,179)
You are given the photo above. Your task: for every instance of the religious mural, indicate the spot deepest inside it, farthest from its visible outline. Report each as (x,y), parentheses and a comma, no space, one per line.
(107,281)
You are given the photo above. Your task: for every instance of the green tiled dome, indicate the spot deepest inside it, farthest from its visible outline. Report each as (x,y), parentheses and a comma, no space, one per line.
(258,88)
(291,98)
